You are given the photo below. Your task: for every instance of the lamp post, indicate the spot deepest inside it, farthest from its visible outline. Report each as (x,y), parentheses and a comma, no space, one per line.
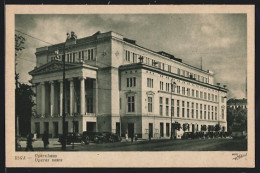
(172,89)
(71,39)
(63,97)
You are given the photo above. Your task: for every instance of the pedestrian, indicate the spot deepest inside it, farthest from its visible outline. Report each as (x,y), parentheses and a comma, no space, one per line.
(45,139)
(126,136)
(29,142)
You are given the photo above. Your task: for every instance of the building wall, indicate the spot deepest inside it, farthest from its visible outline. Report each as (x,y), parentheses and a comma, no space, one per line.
(111,96)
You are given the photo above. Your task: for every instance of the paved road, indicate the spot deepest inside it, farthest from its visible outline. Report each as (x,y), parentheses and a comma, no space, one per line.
(154,145)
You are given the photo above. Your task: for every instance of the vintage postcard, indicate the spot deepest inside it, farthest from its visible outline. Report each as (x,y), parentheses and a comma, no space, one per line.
(130,86)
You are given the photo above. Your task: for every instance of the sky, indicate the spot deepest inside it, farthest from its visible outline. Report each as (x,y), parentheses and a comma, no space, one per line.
(220,39)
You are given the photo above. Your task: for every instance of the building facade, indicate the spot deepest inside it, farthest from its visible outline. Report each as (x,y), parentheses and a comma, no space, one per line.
(113,84)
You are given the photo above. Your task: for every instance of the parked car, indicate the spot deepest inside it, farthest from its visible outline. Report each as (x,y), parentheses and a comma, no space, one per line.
(111,137)
(88,137)
(188,135)
(71,137)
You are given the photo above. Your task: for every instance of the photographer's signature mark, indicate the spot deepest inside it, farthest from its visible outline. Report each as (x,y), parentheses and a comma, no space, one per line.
(238,156)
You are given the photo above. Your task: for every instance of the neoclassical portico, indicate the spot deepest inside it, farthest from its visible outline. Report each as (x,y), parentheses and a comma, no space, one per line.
(80,95)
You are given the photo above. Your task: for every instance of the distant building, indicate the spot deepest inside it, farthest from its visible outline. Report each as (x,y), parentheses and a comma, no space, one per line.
(237,103)
(113,84)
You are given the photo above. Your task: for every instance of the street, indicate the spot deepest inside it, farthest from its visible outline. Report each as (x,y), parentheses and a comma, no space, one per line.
(219,144)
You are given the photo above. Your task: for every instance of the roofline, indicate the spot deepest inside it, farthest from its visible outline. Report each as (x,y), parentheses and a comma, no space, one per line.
(136,45)
(182,63)
(144,66)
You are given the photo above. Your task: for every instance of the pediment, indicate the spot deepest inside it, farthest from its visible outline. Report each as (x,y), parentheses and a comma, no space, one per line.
(150,93)
(53,67)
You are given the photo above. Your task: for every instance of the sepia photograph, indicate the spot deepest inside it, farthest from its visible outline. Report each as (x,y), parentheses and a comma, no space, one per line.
(129,84)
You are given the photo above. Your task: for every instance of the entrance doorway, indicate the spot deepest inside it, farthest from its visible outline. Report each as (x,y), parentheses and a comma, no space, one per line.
(91,126)
(167,129)
(118,128)
(55,129)
(150,130)
(76,126)
(131,129)
(46,127)
(161,129)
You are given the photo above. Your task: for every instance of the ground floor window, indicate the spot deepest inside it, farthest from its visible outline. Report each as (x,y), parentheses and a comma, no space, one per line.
(167,129)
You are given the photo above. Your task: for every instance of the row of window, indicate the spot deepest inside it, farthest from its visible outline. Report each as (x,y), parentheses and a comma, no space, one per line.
(190,92)
(88,54)
(200,111)
(133,58)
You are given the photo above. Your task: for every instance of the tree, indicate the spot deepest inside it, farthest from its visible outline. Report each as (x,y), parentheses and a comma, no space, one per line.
(217,128)
(185,127)
(176,126)
(204,128)
(210,128)
(236,119)
(24,103)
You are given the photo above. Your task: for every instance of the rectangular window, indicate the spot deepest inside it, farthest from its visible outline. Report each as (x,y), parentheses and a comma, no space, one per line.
(120,103)
(192,91)
(172,107)
(205,95)
(205,114)
(188,91)
(131,103)
(197,114)
(216,98)
(188,113)
(216,114)
(167,106)
(200,114)
(167,129)
(183,90)
(222,113)
(127,55)
(178,89)
(212,97)
(149,82)
(197,93)
(178,108)
(179,71)
(222,99)
(183,108)
(150,104)
(131,82)
(161,106)
(201,94)
(169,68)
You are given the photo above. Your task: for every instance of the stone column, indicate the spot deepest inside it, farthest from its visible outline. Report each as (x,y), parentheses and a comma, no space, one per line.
(61,96)
(34,108)
(52,98)
(43,99)
(82,96)
(71,96)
